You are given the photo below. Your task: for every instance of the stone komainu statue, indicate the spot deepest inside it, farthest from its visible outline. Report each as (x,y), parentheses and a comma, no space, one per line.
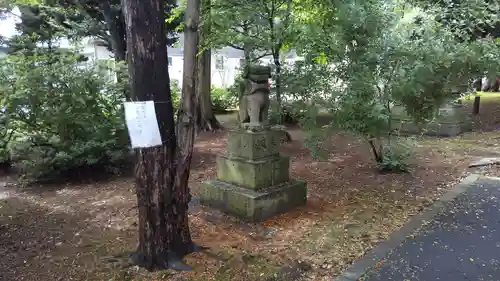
(254,102)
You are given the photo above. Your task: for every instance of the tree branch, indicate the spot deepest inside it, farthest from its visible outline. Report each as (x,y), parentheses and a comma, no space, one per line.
(234,46)
(261,56)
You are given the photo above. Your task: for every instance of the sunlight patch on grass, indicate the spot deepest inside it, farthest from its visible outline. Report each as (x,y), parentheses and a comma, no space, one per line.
(483,95)
(472,144)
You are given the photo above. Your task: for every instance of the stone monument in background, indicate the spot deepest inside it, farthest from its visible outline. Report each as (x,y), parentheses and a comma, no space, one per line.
(253,179)
(450,120)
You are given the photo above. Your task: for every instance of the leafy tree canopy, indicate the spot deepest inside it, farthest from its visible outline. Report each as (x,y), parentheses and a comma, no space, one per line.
(467,19)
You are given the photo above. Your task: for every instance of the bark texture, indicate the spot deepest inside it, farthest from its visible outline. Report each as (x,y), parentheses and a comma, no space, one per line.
(277,77)
(162,201)
(206,120)
(187,115)
(117,31)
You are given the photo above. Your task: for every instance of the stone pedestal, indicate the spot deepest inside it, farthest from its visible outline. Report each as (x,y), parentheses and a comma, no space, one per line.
(450,120)
(253,179)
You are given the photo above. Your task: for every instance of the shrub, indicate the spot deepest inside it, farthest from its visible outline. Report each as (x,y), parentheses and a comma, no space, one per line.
(396,156)
(391,61)
(175,92)
(222,99)
(45,159)
(237,87)
(5,134)
(69,115)
(306,80)
(293,113)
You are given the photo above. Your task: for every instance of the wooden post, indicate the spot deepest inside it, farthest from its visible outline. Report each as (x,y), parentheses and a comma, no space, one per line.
(475,107)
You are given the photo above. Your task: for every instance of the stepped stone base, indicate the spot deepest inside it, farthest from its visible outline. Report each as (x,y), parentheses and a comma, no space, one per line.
(253,205)
(450,120)
(256,174)
(407,127)
(253,145)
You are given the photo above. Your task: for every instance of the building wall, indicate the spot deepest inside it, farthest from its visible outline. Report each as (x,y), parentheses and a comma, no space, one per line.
(225,62)
(224,68)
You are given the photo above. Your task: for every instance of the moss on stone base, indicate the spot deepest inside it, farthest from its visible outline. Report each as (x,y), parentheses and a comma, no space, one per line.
(256,174)
(253,205)
(253,145)
(450,120)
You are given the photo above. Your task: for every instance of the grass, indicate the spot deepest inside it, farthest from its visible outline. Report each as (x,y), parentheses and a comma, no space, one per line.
(252,267)
(491,96)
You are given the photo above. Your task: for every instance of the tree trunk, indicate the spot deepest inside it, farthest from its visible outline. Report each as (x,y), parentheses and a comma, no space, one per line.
(186,118)
(377,154)
(496,85)
(476,105)
(277,63)
(477,84)
(247,51)
(116,26)
(206,120)
(161,204)
(277,77)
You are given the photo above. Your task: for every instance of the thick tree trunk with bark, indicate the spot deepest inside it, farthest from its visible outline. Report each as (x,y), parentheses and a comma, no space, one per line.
(162,201)
(277,63)
(277,76)
(247,51)
(186,118)
(117,31)
(206,120)
(116,25)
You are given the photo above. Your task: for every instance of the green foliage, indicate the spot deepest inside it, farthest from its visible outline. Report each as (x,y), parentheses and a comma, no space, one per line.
(81,19)
(306,80)
(234,23)
(222,100)
(381,61)
(292,113)
(467,19)
(68,113)
(175,92)
(237,88)
(396,156)
(259,27)
(6,133)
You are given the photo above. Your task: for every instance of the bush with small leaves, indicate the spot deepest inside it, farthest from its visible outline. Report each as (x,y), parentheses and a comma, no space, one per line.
(222,100)
(68,115)
(390,60)
(175,91)
(292,113)
(396,156)
(237,88)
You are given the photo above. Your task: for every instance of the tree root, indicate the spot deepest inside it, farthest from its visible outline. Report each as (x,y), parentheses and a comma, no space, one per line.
(170,260)
(288,137)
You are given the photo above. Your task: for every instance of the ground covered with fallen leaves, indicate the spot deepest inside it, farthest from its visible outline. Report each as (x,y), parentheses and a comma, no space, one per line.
(85,231)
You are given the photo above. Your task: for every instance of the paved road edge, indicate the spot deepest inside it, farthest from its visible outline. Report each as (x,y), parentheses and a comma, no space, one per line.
(356,271)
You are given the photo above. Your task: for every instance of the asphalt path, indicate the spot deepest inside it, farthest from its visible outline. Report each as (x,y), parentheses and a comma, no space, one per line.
(462,243)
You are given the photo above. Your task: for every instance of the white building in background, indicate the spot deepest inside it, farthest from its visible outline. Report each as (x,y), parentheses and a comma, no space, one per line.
(226,62)
(3,51)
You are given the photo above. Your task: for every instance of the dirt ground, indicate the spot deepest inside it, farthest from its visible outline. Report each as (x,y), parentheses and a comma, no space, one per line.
(85,231)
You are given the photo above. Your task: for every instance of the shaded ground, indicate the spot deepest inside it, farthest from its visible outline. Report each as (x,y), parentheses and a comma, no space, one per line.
(460,244)
(488,118)
(83,232)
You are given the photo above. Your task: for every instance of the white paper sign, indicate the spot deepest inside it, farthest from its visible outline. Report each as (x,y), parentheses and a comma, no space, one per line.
(142,124)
